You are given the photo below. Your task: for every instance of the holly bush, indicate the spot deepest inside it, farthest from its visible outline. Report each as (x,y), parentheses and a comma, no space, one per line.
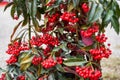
(59,39)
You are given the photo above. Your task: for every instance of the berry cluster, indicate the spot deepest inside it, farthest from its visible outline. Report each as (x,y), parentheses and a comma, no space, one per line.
(16,47)
(46,50)
(59,60)
(101,38)
(21,77)
(85,8)
(88,73)
(98,54)
(45,39)
(13,59)
(36,60)
(90,31)
(53,18)
(49,63)
(69,17)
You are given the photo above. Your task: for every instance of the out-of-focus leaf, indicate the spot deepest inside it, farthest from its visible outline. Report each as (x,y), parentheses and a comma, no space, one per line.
(76,3)
(60,68)
(2,70)
(30,75)
(70,7)
(8,77)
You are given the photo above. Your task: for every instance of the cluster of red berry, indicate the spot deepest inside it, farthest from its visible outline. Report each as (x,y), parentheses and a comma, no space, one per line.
(46,50)
(90,31)
(11,60)
(37,60)
(69,17)
(88,73)
(101,38)
(98,54)
(21,77)
(59,60)
(16,47)
(45,39)
(49,63)
(85,8)
(53,18)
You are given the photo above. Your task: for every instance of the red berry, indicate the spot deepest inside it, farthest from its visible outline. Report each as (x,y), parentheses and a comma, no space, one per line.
(85,8)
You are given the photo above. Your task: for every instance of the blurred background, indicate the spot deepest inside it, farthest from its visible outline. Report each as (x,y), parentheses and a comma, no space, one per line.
(110,67)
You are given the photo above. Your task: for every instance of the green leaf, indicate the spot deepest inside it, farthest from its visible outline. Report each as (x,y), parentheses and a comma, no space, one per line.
(115,24)
(76,3)
(13,11)
(34,8)
(74,62)
(55,49)
(8,77)
(60,68)
(26,59)
(30,76)
(92,11)
(98,13)
(2,70)
(109,15)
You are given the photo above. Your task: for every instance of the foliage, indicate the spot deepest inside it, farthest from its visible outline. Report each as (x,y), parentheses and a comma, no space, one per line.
(59,39)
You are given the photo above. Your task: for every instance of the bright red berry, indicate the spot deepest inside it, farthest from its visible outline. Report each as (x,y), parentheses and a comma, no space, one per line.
(85,8)
(36,60)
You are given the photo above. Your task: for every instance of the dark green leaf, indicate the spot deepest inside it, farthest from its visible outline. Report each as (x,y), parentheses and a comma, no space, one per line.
(115,24)
(13,11)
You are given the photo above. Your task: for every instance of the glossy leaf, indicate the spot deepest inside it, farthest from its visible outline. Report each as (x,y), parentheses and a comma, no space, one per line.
(109,15)
(98,13)
(92,11)
(74,62)
(115,24)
